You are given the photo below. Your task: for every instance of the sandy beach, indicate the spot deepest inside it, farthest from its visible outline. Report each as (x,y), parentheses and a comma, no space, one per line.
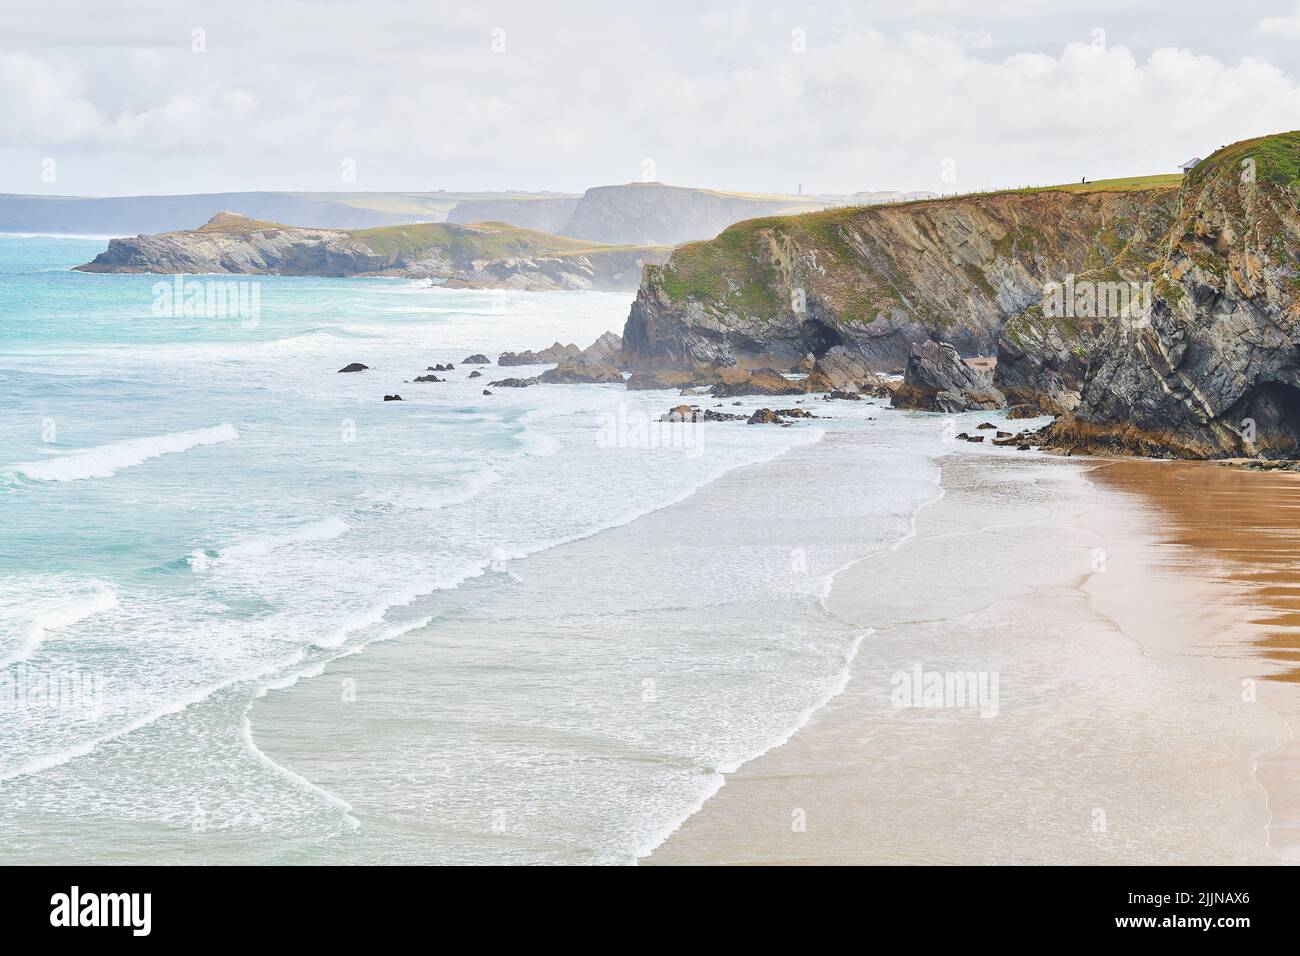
(1116,608)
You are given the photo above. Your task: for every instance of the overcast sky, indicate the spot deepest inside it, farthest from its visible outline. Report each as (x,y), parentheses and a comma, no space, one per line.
(148,97)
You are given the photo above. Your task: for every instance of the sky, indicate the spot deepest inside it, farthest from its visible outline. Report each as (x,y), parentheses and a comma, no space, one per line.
(138,97)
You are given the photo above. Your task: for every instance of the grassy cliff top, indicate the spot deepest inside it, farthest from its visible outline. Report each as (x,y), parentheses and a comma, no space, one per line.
(480,240)
(1275,158)
(234,224)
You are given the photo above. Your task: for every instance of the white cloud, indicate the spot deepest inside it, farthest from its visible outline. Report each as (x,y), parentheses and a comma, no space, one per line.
(584,92)
(1281,26)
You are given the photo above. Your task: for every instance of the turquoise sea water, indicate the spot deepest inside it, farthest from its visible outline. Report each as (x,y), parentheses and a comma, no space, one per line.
(201,521)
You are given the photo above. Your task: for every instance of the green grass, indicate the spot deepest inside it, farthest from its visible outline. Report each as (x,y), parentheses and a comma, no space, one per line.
(481,240)
(236,225)
(1276,158)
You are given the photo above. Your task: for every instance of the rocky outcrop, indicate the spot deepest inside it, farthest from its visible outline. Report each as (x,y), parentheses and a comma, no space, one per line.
(1212,369)
(839,370)
(476,359)
(937,380)
(547,356)
(759,381)
(876,279)
(608,348)
(485,255)
(579,370)
(1044,362)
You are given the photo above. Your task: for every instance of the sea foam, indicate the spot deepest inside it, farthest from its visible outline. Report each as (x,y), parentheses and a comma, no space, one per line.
(104,461)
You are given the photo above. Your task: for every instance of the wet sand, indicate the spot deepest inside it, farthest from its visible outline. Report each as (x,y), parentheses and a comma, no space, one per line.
(1119,606)
(1225,551)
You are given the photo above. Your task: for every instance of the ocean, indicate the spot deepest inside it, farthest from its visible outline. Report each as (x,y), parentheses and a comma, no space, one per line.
(251,612)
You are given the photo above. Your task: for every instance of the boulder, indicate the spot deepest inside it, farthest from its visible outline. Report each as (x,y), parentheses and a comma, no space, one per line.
(937,380)
(392,398)
(476,374)
(765,416)
(428,378)
(354,367)
(476,359)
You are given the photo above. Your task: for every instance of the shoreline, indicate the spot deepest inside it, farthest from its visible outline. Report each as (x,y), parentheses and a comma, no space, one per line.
(828,755)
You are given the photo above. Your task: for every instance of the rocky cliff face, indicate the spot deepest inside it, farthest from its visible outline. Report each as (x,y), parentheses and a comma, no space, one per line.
(878,279)
(1213,368)
(488,255)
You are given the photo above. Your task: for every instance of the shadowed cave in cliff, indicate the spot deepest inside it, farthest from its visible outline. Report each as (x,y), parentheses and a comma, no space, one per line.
(818,337)
(1274,408)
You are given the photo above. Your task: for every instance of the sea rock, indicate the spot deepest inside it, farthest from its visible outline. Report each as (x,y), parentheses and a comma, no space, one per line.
(476,359)
(644,380)
(760,381)
(937,380)
(581,369)
(475,374)
(514,382)
(354,367)
(607,349)
(765,416)
(844,396)
(392,398)
(547,356)
(838,369)
(486,392)
(428,378)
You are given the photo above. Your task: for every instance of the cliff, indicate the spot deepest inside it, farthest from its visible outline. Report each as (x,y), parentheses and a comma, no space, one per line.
(1212,369)
(876,279)
(484,255)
